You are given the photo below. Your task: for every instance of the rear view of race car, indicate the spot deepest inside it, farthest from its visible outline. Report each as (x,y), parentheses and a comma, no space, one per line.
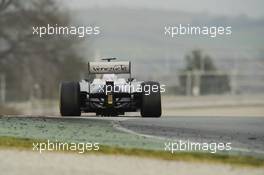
(110,95)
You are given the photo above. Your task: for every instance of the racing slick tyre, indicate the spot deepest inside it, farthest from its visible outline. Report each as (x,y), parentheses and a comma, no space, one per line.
(70,99)
(151,100)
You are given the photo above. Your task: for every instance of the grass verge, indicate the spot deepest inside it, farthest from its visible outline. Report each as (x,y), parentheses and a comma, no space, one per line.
(27,144)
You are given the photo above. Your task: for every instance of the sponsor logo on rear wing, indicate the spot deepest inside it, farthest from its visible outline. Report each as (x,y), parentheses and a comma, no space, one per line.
(118,67)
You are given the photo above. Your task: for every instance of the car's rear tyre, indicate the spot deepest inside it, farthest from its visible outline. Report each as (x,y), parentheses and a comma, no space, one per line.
(70,99)
(151,100)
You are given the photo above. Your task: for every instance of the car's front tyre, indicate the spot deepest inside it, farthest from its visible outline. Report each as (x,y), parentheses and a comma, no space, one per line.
(70,99)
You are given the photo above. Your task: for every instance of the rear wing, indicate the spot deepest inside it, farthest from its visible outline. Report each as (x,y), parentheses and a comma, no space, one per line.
(117,67)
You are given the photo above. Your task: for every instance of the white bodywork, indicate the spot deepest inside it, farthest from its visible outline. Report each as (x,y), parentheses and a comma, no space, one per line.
(97,84)
(109,71)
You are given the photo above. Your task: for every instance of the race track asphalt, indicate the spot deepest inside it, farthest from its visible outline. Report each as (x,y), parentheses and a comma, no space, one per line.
(245,133)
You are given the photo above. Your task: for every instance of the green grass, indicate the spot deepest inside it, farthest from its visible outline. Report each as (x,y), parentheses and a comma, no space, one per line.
(26,144)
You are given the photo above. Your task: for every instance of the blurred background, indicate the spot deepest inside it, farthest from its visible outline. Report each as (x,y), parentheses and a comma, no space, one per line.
(198,71)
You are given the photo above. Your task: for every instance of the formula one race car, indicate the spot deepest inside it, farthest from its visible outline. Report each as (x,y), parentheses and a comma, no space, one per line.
(109,95)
